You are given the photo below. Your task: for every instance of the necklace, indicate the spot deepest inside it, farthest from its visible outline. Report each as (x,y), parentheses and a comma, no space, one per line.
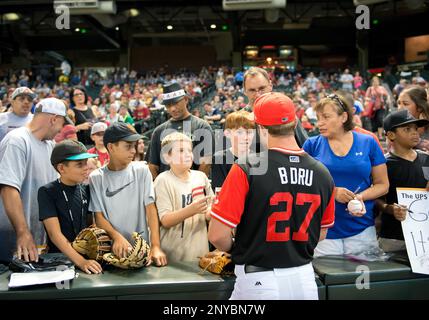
(75,230)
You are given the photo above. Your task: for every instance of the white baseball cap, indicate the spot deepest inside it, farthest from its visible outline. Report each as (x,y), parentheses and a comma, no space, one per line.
(53,106)
(23,91)
(98,127)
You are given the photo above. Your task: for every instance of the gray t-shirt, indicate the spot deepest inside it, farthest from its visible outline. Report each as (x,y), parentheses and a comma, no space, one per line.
(10,121)
(25,165)
(122,197)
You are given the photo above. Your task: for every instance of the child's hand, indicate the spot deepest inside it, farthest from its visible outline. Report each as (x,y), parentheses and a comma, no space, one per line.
(199,206)
(399,212)
(158,256)
(121,247)
(90,266)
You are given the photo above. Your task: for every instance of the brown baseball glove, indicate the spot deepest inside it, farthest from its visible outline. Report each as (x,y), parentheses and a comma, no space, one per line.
(218,262)
(138,257)
(93,242)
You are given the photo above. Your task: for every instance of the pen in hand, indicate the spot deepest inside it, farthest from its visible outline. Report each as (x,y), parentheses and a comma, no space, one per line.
(399,206)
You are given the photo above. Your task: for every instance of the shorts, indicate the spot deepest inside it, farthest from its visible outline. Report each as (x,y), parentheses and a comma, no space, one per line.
(363,241)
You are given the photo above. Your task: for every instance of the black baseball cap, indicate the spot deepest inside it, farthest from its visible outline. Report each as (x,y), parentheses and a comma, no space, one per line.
(402,118)
(120,131)
(69,150)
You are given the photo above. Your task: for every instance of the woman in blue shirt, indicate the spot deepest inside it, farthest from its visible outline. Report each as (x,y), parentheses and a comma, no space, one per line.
(358,168)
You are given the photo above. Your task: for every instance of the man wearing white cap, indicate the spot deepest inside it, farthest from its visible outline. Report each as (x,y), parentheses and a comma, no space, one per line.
(21,101)
(25,167)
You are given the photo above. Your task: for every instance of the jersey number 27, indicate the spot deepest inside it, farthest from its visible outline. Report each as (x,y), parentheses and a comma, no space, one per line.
(301,199)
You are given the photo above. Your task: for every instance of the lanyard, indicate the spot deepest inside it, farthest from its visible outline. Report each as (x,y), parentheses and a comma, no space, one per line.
(69,207)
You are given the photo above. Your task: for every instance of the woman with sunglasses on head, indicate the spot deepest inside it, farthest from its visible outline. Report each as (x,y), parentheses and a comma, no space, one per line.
(84,115)
(358,167)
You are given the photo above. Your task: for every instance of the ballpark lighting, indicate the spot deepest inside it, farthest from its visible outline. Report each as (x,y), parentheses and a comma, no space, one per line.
(11,16)
(213,26)
(134,12)
(77,29)
(169,27)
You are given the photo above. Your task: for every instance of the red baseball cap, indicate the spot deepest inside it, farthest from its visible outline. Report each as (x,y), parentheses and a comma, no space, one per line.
(273,108)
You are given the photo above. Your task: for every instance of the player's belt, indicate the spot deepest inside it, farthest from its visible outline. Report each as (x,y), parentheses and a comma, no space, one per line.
(248,268)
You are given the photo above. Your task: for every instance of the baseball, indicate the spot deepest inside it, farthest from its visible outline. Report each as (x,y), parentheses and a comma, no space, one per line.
(354,206)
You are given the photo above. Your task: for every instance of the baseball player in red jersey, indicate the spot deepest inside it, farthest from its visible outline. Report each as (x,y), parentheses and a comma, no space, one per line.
(279,216)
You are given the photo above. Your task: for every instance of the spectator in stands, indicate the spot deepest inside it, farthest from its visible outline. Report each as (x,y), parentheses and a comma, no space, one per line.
(212,115)
(113,115)
(97,134)
(357,80)
(83,114)
(67,132)
(312,82)
(140,151)
(357,165)
(141,115)
(376,103)
(124,115)
(403,83)
(347,80)
(21,101)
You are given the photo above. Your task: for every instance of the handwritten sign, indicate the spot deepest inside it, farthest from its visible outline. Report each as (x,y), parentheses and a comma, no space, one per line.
(416,227)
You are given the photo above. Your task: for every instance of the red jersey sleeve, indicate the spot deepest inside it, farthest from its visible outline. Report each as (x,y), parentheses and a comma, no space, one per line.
(328,217)
(229,206)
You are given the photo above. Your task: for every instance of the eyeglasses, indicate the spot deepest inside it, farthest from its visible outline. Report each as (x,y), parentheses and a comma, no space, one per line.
(262,89)
(337,100)
(78,94)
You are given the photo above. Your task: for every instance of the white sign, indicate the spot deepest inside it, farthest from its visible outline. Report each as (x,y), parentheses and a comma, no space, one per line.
(416,227)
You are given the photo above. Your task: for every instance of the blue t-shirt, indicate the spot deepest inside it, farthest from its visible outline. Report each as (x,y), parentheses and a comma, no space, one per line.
(352,171)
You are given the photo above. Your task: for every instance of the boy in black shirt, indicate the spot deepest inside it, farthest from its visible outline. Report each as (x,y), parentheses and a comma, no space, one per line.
(405,170)
(63,203)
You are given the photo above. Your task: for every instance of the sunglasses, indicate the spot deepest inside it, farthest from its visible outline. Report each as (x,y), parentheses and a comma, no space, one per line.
(337,100)
(25,97)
